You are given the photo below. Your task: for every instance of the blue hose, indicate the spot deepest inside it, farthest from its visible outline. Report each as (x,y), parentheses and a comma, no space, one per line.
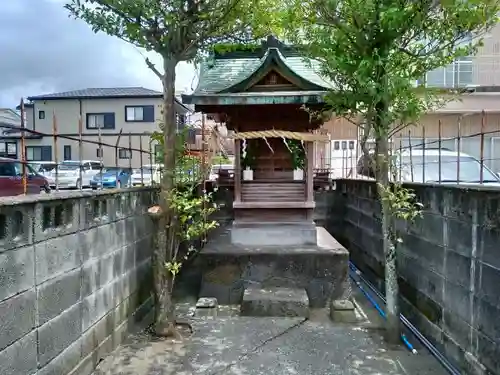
(382,314)
(437,354)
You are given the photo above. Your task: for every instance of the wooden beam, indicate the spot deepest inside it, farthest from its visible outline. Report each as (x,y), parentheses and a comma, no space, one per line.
(237,170)
(310,172)
(294,205)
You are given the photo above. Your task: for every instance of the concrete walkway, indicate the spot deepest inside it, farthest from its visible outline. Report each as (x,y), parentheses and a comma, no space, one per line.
(233,345)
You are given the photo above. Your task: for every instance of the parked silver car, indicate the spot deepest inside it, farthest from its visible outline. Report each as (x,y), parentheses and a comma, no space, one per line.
(434,166)
(76,174)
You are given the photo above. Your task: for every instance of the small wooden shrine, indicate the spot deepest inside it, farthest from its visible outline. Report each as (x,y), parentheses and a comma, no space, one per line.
(261,94)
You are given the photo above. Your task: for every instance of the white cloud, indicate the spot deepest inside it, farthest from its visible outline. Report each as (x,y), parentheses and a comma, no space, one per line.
(43,51)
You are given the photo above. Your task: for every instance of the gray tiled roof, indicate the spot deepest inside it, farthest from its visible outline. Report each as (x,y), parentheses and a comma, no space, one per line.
(109,92)
(220,74)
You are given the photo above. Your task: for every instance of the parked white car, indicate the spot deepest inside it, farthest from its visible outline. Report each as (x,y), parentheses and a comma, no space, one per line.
(45,168)
(68,173)
(147,175)
(437,166)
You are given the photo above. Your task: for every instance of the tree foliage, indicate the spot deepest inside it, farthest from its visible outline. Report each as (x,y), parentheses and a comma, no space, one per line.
(376,53)
(178,30)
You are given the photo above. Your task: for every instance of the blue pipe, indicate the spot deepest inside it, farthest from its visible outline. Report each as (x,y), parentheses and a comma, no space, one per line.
(382,314)
(439,356)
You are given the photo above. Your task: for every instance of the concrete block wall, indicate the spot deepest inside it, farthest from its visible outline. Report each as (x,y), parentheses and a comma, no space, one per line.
(449,265)
(75,270)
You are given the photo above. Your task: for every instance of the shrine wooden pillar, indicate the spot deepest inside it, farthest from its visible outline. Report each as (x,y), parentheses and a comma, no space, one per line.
(237,170)
(309,171)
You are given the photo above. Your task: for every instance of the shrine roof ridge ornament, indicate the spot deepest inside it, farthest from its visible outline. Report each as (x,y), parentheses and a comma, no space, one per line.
(258,51)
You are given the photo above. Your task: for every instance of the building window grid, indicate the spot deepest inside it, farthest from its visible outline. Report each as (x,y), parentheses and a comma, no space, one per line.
(460,73)
(67,152)
(135,113)
(95,121)
(124,153)
(38,153)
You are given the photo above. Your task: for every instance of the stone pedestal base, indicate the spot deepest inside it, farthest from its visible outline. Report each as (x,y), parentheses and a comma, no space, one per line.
(274,234)
(228,269)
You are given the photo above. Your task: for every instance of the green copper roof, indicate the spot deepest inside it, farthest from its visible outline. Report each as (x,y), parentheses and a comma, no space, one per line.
(254,98)
(223,75)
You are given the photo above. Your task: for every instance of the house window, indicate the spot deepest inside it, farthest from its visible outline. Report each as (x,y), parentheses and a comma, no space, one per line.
(456,75)
(67,152)
(39,153)
(141,113)
(135,114)
(99,152)
(100,120)
(8,150)
(41,115)
(124,153)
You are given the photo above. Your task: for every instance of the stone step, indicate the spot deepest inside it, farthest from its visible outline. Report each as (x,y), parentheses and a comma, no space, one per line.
(274,198)
(275,301)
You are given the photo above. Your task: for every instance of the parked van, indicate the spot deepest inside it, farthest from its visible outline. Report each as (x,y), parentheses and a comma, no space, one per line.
(68,173)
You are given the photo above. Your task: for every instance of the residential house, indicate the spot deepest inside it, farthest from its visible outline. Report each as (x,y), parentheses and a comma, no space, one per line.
(460,119)
(9,121)
(123,116)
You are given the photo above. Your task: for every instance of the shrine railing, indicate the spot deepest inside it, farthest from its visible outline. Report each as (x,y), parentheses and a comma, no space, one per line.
(321,178)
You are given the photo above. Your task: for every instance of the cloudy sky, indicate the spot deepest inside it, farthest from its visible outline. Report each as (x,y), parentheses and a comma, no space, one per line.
(44,51)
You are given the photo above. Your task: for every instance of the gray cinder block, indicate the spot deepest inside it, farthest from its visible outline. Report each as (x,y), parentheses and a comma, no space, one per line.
(56,256)
(57,295)
(16,271)
(20,357)
(59,333)
(17,317)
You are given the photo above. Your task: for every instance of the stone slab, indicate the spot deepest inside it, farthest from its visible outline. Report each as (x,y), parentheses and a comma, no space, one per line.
(342,305)
(284,302)
(272,234)
(206,307)
(343,311)
(206,303)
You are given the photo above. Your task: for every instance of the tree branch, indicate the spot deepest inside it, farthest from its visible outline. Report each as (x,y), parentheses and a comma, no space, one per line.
(153,68)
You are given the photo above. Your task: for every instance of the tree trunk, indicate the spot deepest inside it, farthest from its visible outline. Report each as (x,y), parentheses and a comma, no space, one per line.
(164,280)
(159,271)
(393,330)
